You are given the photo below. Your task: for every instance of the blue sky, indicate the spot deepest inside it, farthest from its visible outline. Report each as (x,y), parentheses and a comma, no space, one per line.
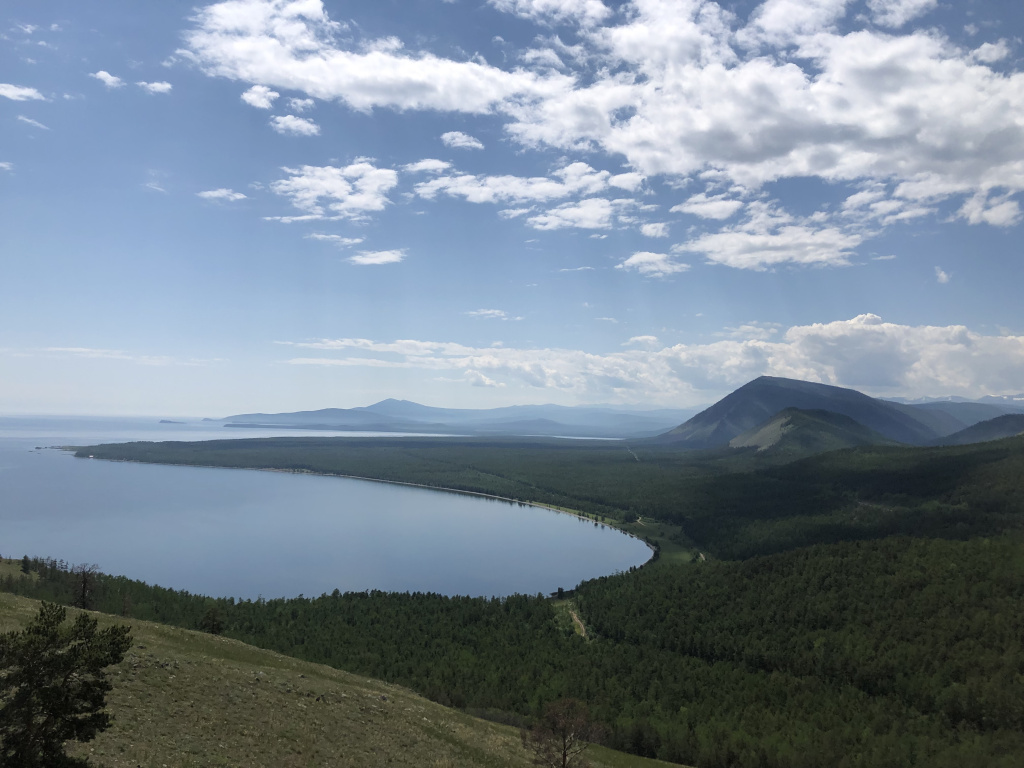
(291,204)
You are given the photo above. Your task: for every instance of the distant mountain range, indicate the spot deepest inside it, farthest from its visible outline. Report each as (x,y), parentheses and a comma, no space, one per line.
(542,420)
(779,414)
(773,414)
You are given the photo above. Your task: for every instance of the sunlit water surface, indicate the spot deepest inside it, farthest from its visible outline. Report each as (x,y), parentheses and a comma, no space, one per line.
(246,533)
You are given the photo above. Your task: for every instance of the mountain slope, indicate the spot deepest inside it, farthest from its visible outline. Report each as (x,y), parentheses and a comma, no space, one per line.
(759,400)
(993,429)
(183,699)
(796,433)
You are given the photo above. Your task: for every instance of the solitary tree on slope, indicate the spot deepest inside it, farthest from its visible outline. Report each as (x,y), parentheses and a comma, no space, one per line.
(53,687)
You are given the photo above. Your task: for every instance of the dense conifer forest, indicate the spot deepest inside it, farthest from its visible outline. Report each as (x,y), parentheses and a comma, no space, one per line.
(858,608)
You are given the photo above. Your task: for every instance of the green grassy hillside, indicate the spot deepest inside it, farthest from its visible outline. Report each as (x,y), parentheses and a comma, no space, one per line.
(185,699)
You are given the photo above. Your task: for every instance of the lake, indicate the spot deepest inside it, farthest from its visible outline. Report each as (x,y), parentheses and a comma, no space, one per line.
(246,533)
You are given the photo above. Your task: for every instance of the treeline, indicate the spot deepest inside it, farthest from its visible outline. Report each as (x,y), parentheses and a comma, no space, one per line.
(896,652)
(734,504)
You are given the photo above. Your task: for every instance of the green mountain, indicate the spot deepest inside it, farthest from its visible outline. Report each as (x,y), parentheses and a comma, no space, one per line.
(993,429)
(795,432)
(761,399)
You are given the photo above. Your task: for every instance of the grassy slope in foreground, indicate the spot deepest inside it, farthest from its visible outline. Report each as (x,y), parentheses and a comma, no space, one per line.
(184,699)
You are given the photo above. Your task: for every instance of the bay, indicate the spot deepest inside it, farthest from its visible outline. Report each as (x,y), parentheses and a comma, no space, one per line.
(246,533)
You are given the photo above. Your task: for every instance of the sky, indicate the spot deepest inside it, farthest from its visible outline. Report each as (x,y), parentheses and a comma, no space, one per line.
(278,205)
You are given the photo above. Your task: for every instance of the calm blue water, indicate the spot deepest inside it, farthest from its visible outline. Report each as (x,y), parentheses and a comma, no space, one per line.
(247,533)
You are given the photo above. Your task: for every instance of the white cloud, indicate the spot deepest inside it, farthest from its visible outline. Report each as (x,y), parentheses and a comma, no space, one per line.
(20,93)
(260,96)
(93,353)
(492,314)
(642,341)
(673,87)
(338,240)
(227,195)
(33,123)
(942,277)
(864,353)
(428,165)
(580,11)
(293,44)
(498,314)
(653,264)
(990,53)
(779,22)
(896,13)
(716,207)
(300,105)
(325,192)
(751,331)
(477,379)
(160,87)
(294,126)
(659,229)
(460,140)
(5,166)
(573,179)
(109,80)
(770,237)
(378,257)
(590,213)
(999,212)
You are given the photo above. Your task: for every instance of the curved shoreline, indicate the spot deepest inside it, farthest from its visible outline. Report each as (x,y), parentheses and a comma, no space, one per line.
(479,494)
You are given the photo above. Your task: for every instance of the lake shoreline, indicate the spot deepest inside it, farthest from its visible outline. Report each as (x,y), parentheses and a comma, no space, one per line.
(478,494)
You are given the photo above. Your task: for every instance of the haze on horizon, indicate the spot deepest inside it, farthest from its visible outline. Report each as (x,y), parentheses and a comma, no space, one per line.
(282,205)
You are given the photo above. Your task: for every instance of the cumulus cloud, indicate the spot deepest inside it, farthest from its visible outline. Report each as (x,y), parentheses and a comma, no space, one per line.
(477,379)
(293,44)
(866,353)
(20,93)
(160,87)
(573,179)
(33,123)
(942,277)
(779,22)
(896,13)
(460,140)
(290,125)
(591,213)
(378,257)
(990,53)
(109,80)
(686,91)
(300,105)
(329,192)
(715,207)
(659,229)
(5,166)
(653,264)
(1000,211)
(226,195)
(260,96)
(428,165)
(580,11)
(770,237)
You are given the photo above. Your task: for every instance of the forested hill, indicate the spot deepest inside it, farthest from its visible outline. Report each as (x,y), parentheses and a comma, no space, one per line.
(734,504)
(871,615)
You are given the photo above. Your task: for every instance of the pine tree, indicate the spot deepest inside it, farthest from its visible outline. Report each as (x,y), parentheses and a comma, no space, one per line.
(53,686)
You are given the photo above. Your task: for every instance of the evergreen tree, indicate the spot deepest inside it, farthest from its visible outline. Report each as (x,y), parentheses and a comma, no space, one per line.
(53,687)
